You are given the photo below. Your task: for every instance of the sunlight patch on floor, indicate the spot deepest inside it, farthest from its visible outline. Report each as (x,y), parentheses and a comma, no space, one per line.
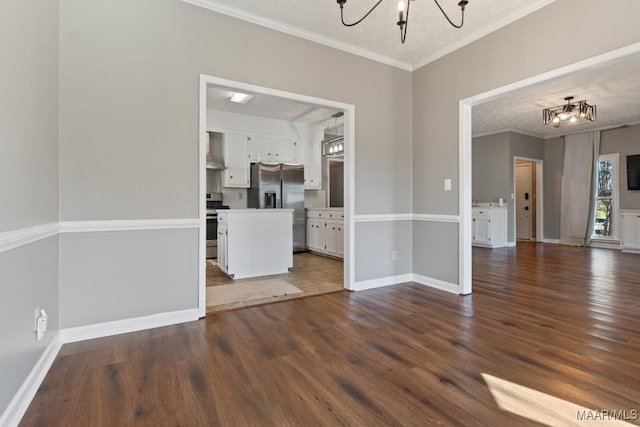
(553,411)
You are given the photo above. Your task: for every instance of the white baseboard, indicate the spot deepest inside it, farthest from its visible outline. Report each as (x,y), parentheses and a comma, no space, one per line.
(383,281)
(22,399)
(436,283)
(554,241)
(116,327)
(403,278)
(510,244)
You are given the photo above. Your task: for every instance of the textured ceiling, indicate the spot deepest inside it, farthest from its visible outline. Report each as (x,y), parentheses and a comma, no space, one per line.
(429,35)
(614,89)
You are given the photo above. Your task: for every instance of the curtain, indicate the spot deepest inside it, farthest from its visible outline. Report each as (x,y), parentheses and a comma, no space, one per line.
(577,197)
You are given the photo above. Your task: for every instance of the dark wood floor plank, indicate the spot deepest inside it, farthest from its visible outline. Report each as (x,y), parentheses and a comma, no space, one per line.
(553,319)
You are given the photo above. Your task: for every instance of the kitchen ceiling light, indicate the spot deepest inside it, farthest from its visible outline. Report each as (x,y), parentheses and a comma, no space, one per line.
(334,147)
(403,20)
(569,113)
(241,98)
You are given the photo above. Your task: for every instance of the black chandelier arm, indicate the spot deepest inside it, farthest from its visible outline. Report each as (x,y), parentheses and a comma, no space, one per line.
(342,2)
(403,28)
(462,4)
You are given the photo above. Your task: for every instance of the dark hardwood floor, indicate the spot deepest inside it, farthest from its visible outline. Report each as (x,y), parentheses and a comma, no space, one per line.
(547,328)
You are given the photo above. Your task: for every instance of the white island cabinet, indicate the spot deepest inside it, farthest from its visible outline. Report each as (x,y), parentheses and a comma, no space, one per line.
(489,228)
(255,242)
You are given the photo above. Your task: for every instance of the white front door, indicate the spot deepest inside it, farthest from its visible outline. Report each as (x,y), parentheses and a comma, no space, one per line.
(523,201)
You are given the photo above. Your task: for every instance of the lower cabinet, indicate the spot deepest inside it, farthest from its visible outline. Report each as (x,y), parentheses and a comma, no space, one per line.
(325,232)
(489,228)
(223,248)
(630,231)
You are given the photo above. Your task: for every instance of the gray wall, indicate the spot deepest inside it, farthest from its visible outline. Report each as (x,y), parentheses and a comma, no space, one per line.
(28,182)
(129,116)
(625,141)
(515,52)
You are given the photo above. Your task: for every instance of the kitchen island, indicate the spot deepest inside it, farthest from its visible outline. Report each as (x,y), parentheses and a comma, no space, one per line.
(255,242)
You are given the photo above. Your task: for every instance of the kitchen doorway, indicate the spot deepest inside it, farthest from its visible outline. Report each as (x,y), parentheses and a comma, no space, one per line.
(346,267)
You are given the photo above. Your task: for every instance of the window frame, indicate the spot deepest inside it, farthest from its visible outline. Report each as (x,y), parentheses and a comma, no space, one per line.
(615,214)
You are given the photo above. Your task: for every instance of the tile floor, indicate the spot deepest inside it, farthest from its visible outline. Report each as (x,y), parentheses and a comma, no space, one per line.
(313,274)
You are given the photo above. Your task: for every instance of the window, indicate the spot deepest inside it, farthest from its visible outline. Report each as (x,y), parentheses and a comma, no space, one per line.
(606,215)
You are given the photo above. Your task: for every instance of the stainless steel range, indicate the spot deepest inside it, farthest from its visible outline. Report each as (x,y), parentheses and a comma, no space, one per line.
(212,227)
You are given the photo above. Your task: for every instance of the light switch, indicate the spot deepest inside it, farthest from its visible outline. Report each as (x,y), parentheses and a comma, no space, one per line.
(447,184)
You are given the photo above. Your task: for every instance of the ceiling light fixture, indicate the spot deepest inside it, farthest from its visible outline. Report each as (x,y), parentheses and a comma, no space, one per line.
(241,98)
(569,113)
(403,21)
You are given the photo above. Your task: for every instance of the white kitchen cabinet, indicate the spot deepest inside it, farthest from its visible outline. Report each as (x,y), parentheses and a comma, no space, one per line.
(312,165)
(236,160)
(489,227)
(325,231)
(271,149)
(630,231)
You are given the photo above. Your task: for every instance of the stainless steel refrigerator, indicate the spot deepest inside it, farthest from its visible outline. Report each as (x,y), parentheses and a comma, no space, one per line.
(280,185)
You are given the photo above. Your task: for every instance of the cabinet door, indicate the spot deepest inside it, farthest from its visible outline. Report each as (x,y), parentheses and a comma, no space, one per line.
(630,235)
(340,238)
(236,160)
(321,240)
(313,166)
(331,232)
(284,150)
(223,248)
(311,234)
(482,230)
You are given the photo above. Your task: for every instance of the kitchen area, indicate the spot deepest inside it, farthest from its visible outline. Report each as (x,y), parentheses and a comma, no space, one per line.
(274,200)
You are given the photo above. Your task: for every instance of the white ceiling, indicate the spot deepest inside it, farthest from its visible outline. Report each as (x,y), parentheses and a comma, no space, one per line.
(614,89)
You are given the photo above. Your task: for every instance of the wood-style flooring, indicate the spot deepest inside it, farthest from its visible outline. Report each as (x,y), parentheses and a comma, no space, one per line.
(313,274)
(547,328)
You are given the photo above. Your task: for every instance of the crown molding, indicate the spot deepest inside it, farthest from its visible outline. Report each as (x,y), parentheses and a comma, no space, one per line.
(299,32)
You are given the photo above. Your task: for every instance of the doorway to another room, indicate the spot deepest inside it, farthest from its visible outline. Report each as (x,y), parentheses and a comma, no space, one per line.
(245,141)
(528,184)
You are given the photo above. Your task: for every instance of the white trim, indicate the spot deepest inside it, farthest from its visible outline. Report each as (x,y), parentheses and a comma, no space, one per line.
(465,132)
(513,130)
(127,225)
(299,32)
(349,164)
(436,218)
(407,217)
(510,244)
(99,330)
(22,399)
(383,217)
(605,244)
(15,238)
(552,241)
(465,199)
(381,282)
(405,278)
(437,284)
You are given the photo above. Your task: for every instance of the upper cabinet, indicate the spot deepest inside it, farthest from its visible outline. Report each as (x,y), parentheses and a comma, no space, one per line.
(312,165)
(275,149)
(236,160)
(250,139)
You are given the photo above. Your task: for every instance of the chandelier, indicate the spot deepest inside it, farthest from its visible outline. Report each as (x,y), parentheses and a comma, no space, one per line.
(334,147)
(403,21)
(569,113)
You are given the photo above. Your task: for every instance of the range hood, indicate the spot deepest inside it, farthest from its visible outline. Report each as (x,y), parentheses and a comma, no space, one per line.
(214,156)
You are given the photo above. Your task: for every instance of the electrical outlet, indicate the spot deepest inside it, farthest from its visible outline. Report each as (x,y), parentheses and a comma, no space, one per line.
(394,255)
(447,184)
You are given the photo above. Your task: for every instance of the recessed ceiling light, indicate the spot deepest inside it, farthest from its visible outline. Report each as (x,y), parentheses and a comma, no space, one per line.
(241,98)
